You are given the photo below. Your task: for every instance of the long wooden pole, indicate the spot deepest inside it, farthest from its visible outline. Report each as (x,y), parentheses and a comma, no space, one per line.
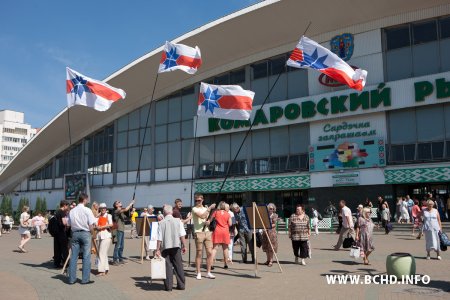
(143,239)
(267,235)
(254,239)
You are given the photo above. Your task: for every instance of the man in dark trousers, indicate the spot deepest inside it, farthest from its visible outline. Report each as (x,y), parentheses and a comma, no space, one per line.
(171,244)
(60,239)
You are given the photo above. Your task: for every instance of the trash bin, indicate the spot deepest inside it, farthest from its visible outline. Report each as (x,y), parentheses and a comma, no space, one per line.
(399,264)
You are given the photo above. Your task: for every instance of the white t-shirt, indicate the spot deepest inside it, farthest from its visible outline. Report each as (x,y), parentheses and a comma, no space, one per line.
(81,217)
(346,212)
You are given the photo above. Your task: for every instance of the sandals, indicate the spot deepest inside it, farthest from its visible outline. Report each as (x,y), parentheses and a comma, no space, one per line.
(269,264)
(101,274)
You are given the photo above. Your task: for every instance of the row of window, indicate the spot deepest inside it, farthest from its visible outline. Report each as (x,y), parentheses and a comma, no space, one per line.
(16,130)
(7,157)
(14,140)
(278,164)
(417,49)
(419,152)
(10,148)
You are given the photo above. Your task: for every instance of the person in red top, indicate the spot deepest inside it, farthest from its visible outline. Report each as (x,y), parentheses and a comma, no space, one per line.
(221,235)
(415,212)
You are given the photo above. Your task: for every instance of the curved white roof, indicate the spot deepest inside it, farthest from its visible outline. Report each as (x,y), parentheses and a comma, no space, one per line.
(257,32)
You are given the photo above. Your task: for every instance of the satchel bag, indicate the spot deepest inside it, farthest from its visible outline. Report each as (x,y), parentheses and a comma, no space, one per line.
(158,268)
(444,239)
(348,242)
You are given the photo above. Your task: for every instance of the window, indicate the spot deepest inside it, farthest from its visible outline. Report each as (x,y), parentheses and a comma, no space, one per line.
(416,49)
(424,32)
(261,166)
(397,37)
(419,134)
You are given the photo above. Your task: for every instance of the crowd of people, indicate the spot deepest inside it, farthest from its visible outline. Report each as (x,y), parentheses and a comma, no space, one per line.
(79,231)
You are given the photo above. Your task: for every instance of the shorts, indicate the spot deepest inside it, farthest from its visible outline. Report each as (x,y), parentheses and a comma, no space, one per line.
(203,238)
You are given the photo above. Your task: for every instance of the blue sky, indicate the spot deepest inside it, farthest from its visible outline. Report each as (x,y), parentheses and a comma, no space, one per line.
(38,39)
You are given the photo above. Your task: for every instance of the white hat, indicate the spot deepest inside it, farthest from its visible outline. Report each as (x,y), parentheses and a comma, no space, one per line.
(102,205)
(150,206)
(360,206)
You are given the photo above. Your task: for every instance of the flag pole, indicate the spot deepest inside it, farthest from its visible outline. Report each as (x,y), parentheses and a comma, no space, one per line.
(192,183)
(68,123)
(249,129)
(138,174)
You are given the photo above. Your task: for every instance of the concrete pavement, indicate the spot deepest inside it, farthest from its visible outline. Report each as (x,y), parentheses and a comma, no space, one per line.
(31,275)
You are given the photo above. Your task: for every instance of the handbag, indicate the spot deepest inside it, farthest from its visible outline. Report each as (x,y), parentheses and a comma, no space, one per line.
(158,268)
(212,225)
(355,252)
(443,238)
(389,226)
(258,239)
(348,242)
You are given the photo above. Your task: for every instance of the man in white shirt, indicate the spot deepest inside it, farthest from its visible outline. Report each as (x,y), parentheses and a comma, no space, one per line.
(347,224)
(171,243)
(82,222)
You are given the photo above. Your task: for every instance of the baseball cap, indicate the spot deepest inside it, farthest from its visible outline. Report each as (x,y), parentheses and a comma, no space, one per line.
(102,205)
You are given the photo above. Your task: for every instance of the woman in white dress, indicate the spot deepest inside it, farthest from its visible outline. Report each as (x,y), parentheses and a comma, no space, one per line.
(315,221)
(431,227)
(104,236)
(24,228)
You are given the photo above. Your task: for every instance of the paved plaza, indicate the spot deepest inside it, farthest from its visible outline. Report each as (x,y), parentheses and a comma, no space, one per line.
(31,275)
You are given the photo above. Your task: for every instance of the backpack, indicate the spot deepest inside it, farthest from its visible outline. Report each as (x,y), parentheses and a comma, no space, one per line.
(53,226)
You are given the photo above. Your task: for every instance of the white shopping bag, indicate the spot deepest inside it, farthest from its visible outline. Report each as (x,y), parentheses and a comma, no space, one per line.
(158,268)
(355,252)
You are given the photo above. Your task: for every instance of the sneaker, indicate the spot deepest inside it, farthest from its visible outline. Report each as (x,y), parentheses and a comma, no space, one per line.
(296,260)
(199,276)
(147,257)
(439,257)
(115,263)
(122,262)
(210,276)
(428,257)
(303,262)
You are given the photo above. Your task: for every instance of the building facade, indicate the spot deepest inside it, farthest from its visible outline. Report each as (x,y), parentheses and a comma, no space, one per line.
(14,134)
(315,141)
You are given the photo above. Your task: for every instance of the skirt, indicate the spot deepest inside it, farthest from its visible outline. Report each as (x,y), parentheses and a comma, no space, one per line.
(24,230)
(431,240)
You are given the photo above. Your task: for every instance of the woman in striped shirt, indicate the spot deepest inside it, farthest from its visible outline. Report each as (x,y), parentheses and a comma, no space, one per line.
(299,233)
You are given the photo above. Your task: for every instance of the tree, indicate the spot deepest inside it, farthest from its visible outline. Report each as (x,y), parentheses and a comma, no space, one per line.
(22,202)
(37,207)
(44,206)
(6,206)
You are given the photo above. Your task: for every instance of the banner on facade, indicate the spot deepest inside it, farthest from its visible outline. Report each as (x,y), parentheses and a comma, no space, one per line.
(353,154)
(74,185)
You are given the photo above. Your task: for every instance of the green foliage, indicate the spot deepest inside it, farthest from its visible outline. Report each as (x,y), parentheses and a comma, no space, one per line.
(37,207)
(44,206)
(22,202)
(6,206)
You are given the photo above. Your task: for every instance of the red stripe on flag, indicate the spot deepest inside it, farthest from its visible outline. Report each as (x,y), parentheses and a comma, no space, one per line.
(342,77)
(296,55)
(104,92)
(235,102)
(69,86)
(231,102)
(163,57)
(189,61)
(201,98)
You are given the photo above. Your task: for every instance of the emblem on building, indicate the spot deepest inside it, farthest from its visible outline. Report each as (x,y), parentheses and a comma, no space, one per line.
(342,45)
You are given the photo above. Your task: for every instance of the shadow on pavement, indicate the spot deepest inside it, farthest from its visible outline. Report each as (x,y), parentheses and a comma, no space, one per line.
(346,262)
(45,265)
(437,284)
(145,283)
(63,278)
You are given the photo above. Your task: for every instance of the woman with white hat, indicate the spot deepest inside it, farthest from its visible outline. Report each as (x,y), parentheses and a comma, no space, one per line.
(104,225)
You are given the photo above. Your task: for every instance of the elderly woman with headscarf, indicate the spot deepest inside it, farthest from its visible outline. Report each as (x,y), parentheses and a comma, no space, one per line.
(270,234)
(364,233)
